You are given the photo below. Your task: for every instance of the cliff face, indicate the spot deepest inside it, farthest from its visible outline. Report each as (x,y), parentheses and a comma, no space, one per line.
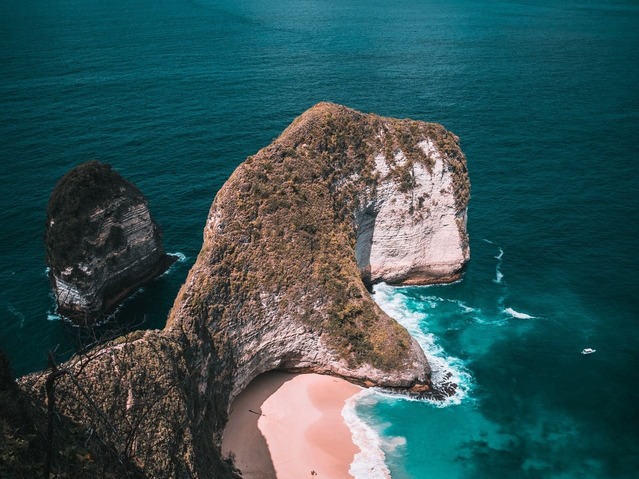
(293,239)
(101,241)
(339,197)
(414,231)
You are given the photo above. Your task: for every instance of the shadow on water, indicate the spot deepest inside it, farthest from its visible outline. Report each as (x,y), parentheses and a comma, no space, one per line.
(145,309)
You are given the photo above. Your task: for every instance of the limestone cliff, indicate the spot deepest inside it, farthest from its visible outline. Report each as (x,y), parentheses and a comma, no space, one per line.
(101,241)
(414,231)
(339,197)
(293,240)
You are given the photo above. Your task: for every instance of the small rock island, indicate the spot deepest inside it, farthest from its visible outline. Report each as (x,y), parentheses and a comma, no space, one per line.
(293,242)
(101,241)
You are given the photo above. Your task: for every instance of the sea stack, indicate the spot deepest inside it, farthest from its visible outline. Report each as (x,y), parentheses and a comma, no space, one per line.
(101,241)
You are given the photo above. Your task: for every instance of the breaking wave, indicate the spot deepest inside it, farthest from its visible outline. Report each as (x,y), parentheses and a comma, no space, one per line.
(181,257)
(54,316)
(369,462)
(517,314)
(499,276)
(447,371)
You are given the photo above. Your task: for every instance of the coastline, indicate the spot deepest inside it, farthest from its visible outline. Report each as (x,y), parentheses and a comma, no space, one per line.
(287,425)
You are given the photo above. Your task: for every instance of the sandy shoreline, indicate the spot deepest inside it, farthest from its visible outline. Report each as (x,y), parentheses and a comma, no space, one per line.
(288,426)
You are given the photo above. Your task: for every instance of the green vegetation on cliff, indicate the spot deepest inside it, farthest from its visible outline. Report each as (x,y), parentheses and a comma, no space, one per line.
(277,284)
(287,230)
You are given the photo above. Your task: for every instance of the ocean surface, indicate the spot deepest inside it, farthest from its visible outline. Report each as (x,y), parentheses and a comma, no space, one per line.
(545,98)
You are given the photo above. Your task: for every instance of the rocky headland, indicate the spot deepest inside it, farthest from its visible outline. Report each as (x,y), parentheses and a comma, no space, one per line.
(292,244)
(101,242)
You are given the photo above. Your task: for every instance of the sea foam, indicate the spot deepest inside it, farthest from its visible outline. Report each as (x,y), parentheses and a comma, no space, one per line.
(445,369)
(54,316)
(369,462)
(181,257)
(499,276)
(517,314)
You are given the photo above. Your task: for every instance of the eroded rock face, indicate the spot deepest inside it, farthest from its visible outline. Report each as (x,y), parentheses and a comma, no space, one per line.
(341,199)
(101,241)
(413,232)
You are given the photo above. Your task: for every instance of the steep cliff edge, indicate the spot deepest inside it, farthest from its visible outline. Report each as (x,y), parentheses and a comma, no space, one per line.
(101,241)
(292,242)
(413,231)
(339,200)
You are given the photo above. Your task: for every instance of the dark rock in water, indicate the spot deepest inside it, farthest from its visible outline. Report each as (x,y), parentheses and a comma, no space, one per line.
(101,241)
(440,390)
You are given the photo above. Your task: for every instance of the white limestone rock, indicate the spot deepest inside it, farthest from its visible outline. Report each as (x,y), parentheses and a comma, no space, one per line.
(416,236)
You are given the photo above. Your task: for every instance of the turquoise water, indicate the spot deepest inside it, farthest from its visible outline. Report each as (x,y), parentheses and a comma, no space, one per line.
(176,93)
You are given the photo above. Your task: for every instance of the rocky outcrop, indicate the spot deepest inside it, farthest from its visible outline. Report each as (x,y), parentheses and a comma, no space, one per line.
(292,242)
(101,241)
(338,197)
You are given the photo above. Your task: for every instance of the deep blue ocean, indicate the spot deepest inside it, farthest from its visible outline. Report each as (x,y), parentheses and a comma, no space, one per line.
(545,98)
